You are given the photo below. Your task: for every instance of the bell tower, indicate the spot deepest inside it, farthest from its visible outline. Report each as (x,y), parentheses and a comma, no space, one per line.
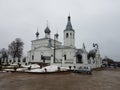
(69,34)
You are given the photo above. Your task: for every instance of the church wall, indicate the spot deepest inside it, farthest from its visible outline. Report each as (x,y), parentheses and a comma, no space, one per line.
(44,42)
(56,43)
(39,43)
(59,55)
(35,55)
(68,54)
(69,39)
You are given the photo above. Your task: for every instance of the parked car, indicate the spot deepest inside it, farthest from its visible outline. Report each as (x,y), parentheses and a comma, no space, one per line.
(83,69)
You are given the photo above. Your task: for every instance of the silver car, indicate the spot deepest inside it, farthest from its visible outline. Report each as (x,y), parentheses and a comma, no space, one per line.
(83,69)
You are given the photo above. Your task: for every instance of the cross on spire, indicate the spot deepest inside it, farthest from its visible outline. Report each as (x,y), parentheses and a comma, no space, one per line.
(47,22)
(69,17)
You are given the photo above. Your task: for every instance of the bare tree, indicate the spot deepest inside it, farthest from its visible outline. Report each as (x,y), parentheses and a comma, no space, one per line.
(4,55)
(16,49)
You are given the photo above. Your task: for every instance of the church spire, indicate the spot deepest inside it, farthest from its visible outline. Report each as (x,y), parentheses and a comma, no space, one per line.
(69,25)
(47,23)
(83,46)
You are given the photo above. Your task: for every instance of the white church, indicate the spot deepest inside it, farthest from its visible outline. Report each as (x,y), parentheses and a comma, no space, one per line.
(53,52)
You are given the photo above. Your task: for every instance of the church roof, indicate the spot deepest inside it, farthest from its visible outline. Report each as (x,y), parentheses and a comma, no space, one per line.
(57,35)
(69,25)
(80,51)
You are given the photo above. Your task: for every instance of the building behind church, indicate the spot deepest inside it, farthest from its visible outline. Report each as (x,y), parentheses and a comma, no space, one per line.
(53,52)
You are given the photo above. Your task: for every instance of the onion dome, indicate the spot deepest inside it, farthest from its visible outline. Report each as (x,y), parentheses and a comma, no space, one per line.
(37,34)
(47,30)
(56,35)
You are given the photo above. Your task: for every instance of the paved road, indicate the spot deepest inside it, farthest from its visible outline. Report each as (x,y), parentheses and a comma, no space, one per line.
(100,80)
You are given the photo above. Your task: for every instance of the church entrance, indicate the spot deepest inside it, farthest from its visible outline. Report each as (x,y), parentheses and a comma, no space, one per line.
(79,58)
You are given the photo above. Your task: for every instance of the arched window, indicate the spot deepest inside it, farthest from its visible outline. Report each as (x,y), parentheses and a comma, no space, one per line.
(64,57)
(79,58)
(73,35)
(32,57)
(66,35)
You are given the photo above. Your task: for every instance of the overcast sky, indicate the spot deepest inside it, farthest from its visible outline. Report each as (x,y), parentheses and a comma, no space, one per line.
(94,21)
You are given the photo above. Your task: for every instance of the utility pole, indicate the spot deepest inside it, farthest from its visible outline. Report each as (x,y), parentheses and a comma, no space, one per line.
(54,48)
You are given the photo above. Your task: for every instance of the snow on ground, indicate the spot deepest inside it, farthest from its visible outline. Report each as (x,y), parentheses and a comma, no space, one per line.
(21,69)
(64,68)
(14,64)
(9,66)
(32,66)
(36,68)
(8,69)
(52,68)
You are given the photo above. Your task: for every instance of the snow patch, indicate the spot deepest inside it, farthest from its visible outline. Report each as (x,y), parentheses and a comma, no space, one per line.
(52,68)
(32,66)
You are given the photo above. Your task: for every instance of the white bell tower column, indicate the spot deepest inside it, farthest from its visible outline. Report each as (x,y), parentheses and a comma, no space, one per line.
(69,34)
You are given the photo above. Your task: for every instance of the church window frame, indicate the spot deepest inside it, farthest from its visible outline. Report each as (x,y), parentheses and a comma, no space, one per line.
(32,57)
(65,57)
(70,34)
(79,58)
(67,35)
